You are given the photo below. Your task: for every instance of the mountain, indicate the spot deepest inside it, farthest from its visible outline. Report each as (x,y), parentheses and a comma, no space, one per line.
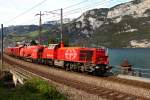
(122,26)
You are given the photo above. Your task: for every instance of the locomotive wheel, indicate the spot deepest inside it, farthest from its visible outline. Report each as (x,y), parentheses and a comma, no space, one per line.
(50,62)
(82,69)
(71,67)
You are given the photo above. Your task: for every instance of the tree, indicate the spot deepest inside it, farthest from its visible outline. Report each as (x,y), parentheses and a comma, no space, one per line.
(33,42)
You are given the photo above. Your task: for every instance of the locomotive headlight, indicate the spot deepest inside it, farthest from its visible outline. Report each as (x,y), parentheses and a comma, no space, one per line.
(96,67)
(107,67)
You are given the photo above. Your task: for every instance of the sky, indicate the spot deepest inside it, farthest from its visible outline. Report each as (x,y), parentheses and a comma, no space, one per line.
(22,12)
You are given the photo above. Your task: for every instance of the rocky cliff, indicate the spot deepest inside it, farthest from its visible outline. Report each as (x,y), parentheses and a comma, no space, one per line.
(118,26)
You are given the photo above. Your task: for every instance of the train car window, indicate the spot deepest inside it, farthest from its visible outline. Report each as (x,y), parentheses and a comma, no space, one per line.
(52,46)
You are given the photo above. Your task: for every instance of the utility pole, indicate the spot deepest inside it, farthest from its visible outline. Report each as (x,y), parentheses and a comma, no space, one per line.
(1,48)
(40,25)
(61,22)
(61,18)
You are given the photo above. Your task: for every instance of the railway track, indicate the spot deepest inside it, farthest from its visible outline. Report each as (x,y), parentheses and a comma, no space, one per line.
(89,88)
(119,80)
(129,82)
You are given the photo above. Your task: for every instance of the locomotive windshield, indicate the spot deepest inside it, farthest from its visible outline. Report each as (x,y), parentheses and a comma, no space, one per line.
(86,55)
(53,46)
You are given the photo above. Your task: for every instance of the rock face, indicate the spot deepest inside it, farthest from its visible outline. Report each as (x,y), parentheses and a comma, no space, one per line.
(97,17)
(107,26)
(91,20)
(142,43)
(136,8)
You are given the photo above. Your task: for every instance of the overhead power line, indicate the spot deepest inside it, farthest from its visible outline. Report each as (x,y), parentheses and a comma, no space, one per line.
(70,12)
(88,6)
(77,10)
(28,10)
(52,12)
(76,4)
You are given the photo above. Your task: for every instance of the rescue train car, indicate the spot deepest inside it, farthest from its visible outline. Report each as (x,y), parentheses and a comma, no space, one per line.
(32,52)
(92,60)
(13,51)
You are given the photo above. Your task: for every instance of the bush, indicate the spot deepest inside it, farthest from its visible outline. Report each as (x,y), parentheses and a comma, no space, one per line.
(42,87)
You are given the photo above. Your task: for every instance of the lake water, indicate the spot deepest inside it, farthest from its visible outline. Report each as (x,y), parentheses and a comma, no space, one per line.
(139,57)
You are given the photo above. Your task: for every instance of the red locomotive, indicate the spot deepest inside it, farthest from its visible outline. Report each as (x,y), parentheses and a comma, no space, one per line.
(93,60)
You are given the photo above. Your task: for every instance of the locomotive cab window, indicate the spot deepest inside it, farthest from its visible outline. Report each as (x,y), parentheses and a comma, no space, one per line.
(86,55)
(53,46)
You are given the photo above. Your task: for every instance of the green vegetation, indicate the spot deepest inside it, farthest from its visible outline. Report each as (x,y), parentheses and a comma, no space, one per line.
(15,38)
(35,34)
(47,36)
(34,89)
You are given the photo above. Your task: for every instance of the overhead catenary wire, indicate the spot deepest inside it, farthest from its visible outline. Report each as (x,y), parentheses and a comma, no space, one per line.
(71,6)
(76,4)
(67,14)
(88,6)
(73,11)
(26,11)
(52,12)
(78,10)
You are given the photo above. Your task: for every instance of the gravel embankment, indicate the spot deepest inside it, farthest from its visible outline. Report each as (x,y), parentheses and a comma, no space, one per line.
(138,91)
(71,93)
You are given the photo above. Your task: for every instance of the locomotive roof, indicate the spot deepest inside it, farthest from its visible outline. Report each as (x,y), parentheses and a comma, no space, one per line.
(82,48)
(52,46)
(76,48)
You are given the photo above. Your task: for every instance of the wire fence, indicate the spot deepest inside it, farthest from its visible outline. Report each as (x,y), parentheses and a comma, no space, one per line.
(141,72)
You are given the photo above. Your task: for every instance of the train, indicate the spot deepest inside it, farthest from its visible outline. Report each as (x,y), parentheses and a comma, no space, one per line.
(82,59)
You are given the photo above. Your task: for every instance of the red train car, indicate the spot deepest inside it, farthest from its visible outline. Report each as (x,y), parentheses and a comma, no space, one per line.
(75,54)
(100,56)
(32,52)
(91,60)
(13,51)
(16,51)
(84,55)
(76,58)
(50,52)
(83,59)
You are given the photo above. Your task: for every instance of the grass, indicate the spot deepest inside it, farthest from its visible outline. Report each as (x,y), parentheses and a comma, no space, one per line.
(35,33)
(34,89)
(21,37)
